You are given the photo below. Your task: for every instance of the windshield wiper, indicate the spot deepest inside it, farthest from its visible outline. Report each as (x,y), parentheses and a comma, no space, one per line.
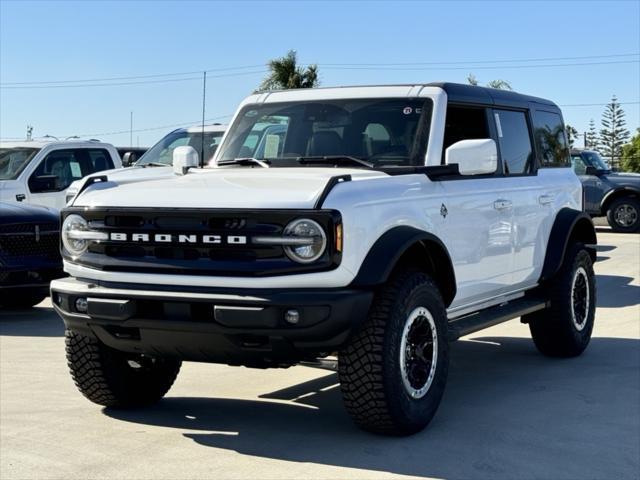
(245,161)
(155,164)
(335,159)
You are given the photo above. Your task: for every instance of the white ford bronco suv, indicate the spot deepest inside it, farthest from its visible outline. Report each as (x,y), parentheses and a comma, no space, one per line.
(375,224)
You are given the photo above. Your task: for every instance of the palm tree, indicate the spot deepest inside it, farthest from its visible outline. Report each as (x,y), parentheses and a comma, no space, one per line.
(285,73)
(499,84)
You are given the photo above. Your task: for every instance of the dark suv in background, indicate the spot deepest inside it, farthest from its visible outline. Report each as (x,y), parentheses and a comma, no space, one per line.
(611,194)
(29,253)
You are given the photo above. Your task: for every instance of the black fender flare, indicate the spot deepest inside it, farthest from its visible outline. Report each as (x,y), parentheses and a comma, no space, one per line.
(392,245)
(625,189)
(568,226)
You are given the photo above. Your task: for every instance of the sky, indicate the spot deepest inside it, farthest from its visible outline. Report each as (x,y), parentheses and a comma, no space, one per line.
(588,51)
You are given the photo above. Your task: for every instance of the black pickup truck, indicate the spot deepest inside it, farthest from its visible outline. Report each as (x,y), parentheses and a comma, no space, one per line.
(29,253)
(606,193)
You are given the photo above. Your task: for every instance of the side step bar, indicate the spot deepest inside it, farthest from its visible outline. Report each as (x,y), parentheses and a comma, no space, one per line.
(494,315)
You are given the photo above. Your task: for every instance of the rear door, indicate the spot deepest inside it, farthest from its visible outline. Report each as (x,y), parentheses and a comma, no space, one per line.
(523,191)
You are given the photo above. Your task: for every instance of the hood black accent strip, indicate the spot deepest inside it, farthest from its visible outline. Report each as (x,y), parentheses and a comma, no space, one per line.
(333,181)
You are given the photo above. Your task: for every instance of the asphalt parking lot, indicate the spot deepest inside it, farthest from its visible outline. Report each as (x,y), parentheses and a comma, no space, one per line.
(507,413)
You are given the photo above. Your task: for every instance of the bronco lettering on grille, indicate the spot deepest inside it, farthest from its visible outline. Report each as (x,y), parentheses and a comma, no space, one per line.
(181,238)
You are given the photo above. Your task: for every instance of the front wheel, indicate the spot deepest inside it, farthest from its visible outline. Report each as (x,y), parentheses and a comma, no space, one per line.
(116,379)
(393,372)
(623,215)
(564,328)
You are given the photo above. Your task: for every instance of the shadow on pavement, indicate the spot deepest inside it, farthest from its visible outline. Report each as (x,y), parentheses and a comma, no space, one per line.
(605,248)
(508,412)
(38,321)
(616,291)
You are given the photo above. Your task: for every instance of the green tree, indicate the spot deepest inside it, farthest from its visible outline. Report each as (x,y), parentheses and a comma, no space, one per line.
(499,84)
(614,133)
(591,137)
(572,134)
(631,154)
(285,73)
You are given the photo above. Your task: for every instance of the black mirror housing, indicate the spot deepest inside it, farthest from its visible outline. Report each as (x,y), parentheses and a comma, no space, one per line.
(591,170)
(44,183)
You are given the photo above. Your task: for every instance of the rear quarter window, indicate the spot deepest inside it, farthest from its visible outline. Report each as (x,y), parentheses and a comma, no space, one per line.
(551,140)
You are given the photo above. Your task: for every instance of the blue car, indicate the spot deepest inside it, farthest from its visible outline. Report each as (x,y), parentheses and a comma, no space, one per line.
(29,253)
(606,193)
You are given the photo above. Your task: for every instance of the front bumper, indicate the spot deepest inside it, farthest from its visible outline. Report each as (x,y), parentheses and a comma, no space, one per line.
(237,327)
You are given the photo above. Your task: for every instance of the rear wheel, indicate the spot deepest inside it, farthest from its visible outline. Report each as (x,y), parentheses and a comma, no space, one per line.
(393,372)
(116,379)
(564,329)
(623,215)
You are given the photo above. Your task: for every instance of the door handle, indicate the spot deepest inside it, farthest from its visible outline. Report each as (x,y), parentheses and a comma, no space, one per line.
(502,204)
(546,199)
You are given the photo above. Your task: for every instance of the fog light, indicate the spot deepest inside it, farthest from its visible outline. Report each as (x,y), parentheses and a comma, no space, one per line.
(292,316)
(81,305)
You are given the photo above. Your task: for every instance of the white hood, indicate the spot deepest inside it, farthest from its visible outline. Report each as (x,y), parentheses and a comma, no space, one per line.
(240,187)
(127,175)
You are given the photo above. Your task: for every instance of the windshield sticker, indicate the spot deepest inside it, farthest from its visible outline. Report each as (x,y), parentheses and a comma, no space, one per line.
(76,172)
(271,144)
(407,110)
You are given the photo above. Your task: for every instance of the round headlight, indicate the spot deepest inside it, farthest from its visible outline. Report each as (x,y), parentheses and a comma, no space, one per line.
(71,225)
(310,250)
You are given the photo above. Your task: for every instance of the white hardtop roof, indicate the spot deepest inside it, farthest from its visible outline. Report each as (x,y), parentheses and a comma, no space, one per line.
(45,143)
(207,128)
(373,91)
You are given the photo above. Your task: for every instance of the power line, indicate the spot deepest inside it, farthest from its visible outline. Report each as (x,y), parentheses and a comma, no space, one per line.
(596,104)
(470,63)
(143,82)
(493,67)
(134,77)
(474,62)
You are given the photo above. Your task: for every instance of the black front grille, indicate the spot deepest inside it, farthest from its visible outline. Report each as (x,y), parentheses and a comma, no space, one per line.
(158,248)
(28,242)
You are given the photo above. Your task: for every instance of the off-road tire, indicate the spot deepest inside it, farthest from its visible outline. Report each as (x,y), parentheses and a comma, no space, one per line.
(630,203)
(369,366)
(106,377)
(554,331)
(19,299)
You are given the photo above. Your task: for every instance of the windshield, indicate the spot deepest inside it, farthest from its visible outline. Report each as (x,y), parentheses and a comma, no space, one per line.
(384,132)
(14,160)
(592,159)
(162,152)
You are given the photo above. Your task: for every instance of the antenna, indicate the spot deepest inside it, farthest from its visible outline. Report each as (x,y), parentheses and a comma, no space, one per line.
(204,97)
(131,129)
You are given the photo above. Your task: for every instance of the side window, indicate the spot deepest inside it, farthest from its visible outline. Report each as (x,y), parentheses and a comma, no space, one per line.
(515,142)
(464,123)
(56,171)
(99,160)
(578,165)
(551,139)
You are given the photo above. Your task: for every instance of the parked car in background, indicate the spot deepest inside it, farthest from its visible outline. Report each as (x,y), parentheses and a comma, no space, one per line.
(130,155)
(160,156)
(29,253)
(39,173)
(606,193)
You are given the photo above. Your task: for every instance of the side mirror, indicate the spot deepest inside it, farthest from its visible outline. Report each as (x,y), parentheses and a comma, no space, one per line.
(129,158)
(474,157)
(184,158)
(591,170)
(43,183)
